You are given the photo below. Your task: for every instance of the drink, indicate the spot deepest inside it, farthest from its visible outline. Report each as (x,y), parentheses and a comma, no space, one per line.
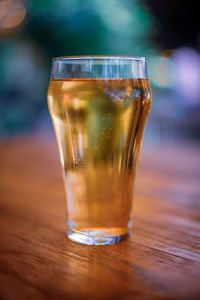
(99,125)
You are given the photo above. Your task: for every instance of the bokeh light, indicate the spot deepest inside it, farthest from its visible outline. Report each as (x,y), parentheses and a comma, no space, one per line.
(186,74)
(160,71)
(12,13)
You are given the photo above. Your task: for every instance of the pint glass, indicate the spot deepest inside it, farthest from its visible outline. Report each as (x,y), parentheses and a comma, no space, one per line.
(99,106)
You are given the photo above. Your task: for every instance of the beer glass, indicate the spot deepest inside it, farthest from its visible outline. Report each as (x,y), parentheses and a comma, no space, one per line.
(99,106)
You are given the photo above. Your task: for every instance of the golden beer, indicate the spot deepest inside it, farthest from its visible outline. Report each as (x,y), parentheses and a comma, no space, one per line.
(99,125)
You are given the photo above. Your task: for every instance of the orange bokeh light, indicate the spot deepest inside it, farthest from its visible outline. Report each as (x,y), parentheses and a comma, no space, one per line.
(12,13)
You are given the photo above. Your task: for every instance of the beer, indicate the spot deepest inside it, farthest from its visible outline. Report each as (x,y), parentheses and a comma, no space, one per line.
(99,125)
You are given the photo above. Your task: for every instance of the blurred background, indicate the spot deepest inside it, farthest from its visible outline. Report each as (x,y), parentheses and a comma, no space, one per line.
(166,32)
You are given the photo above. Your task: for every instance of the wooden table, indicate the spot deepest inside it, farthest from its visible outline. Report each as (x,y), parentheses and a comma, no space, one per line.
(161,259)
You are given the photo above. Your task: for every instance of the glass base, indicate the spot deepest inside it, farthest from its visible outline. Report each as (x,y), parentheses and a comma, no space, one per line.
(97,236)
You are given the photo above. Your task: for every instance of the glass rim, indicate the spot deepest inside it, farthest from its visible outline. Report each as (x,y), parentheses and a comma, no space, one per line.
(98,57)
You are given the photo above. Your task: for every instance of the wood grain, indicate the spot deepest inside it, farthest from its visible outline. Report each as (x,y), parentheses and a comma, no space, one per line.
(160,260)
